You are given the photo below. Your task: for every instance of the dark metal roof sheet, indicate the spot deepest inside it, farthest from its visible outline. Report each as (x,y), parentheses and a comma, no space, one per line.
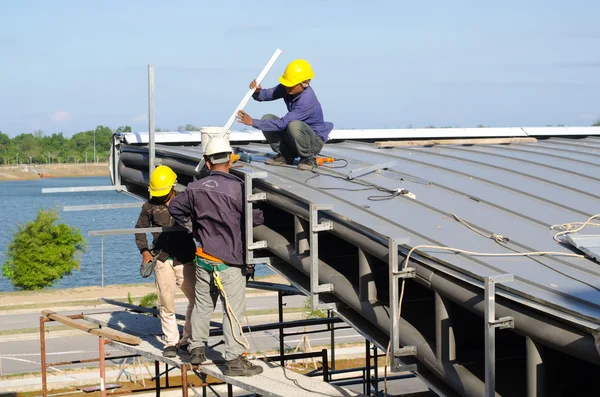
(516,190)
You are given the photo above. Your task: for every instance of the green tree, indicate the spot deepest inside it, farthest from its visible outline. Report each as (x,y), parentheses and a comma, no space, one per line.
(42,252)
(124,129)
(596,123)
(187,127)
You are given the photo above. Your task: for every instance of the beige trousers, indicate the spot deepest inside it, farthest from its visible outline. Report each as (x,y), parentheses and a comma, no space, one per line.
(168,278)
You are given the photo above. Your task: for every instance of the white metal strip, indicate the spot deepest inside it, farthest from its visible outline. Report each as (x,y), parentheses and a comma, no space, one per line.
(68,208)
(81,189)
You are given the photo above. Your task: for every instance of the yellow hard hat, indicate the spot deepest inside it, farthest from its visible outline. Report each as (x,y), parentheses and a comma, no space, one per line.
(161,181)
(296,72)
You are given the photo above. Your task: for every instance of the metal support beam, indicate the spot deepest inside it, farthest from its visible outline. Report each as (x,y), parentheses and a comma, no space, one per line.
(301,236)
(366,276)
(491,323)
(445,343)
(251,198)
(151,145)
(394,275)
(536,378)
(315,227)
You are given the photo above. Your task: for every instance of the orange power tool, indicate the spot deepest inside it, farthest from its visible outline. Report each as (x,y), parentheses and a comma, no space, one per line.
(322,160)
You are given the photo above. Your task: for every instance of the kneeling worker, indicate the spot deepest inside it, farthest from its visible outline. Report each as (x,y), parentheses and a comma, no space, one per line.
(174,253)
(303,130)
(212,209)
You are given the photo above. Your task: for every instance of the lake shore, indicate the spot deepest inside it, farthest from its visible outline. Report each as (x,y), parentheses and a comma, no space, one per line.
(68,170)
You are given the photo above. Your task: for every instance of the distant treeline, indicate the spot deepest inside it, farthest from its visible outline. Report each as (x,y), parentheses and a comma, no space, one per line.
(37,147)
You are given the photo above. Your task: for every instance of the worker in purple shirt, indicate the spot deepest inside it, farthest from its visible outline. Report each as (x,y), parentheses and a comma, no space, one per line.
(302,131)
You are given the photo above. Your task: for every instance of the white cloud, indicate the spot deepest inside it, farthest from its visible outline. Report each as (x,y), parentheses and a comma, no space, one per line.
(141,118)
(61,115)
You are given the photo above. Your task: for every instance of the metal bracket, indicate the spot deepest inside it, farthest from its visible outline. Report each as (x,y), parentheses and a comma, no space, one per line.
(251,198)
(358,172)
(491,323)
(315,228)
(394,275)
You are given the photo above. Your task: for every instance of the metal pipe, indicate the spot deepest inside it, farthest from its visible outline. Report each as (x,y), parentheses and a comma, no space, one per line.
(184,381)
(166,375)
(43,356)
(367,386)
(281,335)
(366,276)
(535,369)
(102,258)
(458,377)
(102,368)
(332,339)
(151,146)
(157,377)
(445,343)
(325,366)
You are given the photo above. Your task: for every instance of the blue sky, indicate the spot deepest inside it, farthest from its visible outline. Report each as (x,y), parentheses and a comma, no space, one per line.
(71,65)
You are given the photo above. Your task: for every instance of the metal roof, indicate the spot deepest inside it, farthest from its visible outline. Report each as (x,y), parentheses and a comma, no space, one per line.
(403,133)
(516,190)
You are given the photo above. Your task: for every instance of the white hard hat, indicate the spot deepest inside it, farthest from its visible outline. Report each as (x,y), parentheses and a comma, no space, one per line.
(217,146)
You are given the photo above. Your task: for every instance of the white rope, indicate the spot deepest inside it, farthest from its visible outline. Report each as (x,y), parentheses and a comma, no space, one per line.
(231,314)
(573,227)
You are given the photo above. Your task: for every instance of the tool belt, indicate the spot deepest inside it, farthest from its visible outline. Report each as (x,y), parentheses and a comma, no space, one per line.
(209,267)
(207,262)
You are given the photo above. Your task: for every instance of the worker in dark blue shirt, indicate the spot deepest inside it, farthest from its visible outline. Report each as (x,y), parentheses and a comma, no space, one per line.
(302,131)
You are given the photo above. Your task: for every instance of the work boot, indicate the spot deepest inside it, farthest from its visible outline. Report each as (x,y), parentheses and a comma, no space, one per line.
(170,351)
(197,356)
(307,164)
(240,367)
(279,160)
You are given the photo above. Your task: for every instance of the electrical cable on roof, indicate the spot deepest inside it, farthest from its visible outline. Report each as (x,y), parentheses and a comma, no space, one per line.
(391,193)
(337,166)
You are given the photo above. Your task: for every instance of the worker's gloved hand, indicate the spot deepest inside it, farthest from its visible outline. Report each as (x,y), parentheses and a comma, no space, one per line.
(146,257)
(255,87)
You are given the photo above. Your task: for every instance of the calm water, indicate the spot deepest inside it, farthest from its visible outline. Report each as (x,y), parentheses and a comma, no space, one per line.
(22,199)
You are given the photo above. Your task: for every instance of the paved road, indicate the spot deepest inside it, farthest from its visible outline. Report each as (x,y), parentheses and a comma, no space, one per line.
(32,320)
(24,356)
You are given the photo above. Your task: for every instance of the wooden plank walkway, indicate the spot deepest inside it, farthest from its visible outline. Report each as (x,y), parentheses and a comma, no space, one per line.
(275,381)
